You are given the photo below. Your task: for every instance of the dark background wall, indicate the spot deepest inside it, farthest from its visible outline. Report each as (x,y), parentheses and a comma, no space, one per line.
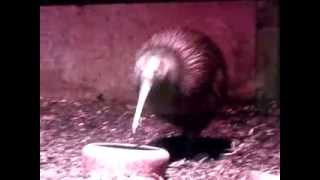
(88,50)
(268,62)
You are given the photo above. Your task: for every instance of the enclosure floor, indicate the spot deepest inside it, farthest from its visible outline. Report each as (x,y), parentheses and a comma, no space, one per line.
(67,126)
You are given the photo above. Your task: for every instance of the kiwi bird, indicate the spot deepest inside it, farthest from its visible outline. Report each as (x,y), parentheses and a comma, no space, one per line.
(180,76)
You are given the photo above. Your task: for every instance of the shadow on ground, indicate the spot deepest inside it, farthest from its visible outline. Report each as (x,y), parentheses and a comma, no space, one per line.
(182,147)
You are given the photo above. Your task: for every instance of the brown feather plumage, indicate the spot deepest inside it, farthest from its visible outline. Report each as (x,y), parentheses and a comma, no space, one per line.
(195,85)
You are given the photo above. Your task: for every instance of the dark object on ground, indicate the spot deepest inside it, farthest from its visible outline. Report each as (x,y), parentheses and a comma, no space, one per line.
(178,147)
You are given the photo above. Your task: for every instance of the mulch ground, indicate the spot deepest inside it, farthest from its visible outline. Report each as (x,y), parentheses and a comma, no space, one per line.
(248,136)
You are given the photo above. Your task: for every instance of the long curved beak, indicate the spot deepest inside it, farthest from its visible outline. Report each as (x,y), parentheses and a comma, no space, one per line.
(147,78)
(143,94)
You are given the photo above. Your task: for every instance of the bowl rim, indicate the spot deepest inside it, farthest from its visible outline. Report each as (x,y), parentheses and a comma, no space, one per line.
(125,146)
